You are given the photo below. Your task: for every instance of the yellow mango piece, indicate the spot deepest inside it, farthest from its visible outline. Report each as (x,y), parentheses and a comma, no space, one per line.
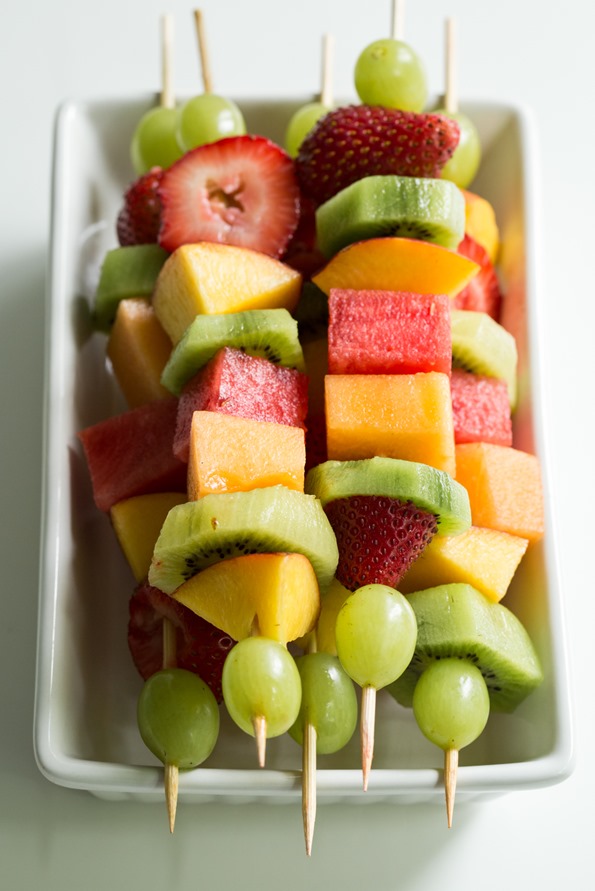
(138,349)
(137,522)
(484,558)
(234,454)
(480,223)
(406,416)
(397,264)
(274,595)
(220,278)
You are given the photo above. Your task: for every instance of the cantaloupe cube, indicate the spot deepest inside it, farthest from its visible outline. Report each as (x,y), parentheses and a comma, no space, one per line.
(505,488)
(138,349)
(137,522)
(406,416)
(234,454)
(484,558)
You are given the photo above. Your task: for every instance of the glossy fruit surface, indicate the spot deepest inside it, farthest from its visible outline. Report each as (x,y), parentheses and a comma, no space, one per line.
(451,703)
(389,72)
(154,142)
(206,118)
(328,702)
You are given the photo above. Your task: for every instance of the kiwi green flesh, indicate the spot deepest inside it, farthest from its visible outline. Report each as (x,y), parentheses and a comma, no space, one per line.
(218,526)
(430,489)
(375,206)
(129,271)
(269,333)
(483,346)
(457,621)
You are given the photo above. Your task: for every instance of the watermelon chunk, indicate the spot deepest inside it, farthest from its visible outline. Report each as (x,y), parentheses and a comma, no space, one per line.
(131,453)
(388,332)
(480,408)
(483,293)
(248,386)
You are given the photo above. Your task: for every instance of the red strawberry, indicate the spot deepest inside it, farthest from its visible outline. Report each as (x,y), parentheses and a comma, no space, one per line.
(378,538)
(355,141)
(483,293)
(241,190)
(200,647)
(140,217)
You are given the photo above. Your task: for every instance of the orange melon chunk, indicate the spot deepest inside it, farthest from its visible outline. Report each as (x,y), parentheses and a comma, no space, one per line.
(484,558)
(397,264)
(137,522)
(406,416)
(275,595)
(504,486)
(235,454)
(138,349)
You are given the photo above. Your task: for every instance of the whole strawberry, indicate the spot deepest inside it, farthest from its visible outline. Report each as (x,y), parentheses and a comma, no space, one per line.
(355,141)
(140,217)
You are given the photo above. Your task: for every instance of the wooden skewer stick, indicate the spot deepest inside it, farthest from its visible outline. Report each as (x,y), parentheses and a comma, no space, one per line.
(171,772)
(309,771)
(451,763)
(260,733)
(367,723)
(451,102)
(202,52)
(328,53)
(167,99)
(397,20)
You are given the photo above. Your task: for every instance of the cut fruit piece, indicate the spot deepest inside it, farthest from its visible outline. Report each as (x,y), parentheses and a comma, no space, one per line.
(200,647)
(481,345)
(269,333)
(240,190)
(484,558)
(388,332)
(458,621)
(129,271)
(481,224)
(505,488)
(132,453)
(483,293)
(407,206)
(406,416)
(220,278)
(137,523)
(480,408)
(273,595)
(216,527)
(247,386)
(397,264)
(138,349)
(232,454)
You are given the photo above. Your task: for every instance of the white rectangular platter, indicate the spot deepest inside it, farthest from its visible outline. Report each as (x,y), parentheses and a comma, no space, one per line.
(85,704)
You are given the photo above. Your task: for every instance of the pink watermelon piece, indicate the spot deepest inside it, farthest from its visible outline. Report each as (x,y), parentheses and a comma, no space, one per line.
(480,408)
(378,538)
(388,332)
(235,383)
(131,454)
(483,293)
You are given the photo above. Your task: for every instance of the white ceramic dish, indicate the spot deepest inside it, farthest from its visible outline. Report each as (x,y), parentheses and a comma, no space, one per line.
(85,727)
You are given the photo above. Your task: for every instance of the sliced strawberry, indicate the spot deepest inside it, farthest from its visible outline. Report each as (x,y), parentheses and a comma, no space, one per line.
(200,647)
(378,538)
(241,190)
(140,217)
(355,141)
(483,293)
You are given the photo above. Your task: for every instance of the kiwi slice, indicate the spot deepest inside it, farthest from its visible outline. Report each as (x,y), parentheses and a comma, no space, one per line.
(431,490)
(269,333)
(271,520)
(129,271)
(458,621)
(406,206)
(481,345)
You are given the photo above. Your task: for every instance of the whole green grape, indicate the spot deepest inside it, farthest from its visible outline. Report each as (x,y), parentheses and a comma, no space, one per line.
(206,118)
(375,633)
(300,124)
(261,680)
(154,142)
(389,72)
(329,702)
(451,703)
(465,161)
(178,717)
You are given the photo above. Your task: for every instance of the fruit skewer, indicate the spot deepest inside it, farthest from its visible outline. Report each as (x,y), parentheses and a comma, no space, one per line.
(170,771)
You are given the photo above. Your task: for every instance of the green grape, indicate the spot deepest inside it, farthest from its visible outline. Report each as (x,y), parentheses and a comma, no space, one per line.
(154,142)
(328,703)
(464,164)
(178,717)
(300,124)
(207,118)
(389,72)
(261,680)
(376,633)
(451,703)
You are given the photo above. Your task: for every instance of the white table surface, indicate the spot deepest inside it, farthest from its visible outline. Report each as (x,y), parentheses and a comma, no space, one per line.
(532,52)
